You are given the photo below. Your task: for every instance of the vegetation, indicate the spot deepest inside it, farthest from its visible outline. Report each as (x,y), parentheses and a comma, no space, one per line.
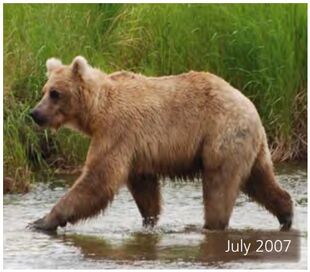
(260,48)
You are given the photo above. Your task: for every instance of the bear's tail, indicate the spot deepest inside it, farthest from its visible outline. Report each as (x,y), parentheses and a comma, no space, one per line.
(262,187)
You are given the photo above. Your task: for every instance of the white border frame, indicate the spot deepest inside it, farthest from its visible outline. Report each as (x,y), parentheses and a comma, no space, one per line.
(159,2)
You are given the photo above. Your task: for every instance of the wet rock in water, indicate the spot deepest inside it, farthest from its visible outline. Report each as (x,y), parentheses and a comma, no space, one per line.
(8,185)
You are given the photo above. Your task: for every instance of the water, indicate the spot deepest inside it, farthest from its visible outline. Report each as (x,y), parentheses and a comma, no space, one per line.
(117,239)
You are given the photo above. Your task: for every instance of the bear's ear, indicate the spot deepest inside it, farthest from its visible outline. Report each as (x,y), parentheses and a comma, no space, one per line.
(52,64)
(79,66)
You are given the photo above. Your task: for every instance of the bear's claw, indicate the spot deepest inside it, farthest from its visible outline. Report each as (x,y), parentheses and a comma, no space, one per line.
(42,225)
(286,222)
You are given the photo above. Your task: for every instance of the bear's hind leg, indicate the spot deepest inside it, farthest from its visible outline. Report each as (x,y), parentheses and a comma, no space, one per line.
(145,190)
(264,189)
(220,190)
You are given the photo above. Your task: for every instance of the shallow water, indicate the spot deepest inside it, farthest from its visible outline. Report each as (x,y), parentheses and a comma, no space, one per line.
(117,239)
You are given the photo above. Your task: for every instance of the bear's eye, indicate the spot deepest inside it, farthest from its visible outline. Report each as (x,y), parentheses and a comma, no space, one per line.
(55,95)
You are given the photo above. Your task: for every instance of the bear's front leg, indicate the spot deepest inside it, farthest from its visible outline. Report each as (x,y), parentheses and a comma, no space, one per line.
(90,194)
(48,223)
(145,190)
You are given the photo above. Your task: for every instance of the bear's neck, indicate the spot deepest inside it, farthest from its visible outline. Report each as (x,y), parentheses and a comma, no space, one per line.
(94,100)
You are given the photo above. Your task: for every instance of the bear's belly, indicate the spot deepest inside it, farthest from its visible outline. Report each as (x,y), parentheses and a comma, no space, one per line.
(175,167)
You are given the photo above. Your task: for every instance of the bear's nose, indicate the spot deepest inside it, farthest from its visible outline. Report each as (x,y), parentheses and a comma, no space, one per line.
(32,114)
(38,117)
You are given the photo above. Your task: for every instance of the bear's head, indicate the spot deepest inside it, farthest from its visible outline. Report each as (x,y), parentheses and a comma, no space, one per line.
(63,96)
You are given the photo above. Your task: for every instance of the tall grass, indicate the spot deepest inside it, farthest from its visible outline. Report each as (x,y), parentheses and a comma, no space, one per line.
(260,48)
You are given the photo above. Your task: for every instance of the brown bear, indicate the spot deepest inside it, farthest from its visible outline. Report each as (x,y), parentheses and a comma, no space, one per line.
(143,128)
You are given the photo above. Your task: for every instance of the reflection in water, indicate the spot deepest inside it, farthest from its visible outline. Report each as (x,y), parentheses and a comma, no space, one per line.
(117,240)
(213,247)
(140,246)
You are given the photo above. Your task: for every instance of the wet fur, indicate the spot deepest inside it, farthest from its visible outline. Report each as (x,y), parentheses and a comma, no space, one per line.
(144,128)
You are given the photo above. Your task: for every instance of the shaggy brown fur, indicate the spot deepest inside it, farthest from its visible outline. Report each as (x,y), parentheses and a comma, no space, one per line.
(143,128)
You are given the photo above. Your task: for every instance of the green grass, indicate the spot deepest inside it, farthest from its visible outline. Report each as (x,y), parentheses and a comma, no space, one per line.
(260,48)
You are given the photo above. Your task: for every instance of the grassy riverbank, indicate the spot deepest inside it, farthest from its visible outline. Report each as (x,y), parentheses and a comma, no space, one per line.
(260,48)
